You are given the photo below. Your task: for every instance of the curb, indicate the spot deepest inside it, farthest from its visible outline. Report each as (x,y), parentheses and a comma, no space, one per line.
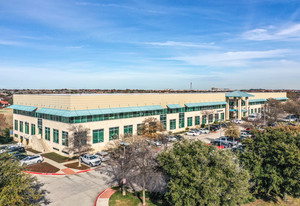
(41,173)
(95,204)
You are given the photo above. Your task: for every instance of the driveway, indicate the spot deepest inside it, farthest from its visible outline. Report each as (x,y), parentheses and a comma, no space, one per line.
(73,190)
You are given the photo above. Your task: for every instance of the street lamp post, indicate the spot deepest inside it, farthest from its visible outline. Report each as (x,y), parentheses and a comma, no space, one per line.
(124,144)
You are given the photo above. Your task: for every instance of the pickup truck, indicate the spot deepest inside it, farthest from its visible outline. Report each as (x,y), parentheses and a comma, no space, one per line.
(91,160)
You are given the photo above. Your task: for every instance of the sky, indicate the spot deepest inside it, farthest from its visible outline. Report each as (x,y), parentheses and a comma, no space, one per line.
(149,44)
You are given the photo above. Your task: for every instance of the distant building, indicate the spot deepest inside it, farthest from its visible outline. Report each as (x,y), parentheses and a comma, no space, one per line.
(4,103)
(45,120)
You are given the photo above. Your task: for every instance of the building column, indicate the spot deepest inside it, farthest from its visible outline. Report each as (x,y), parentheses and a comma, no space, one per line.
(227,110)
(240,108)
(247,106)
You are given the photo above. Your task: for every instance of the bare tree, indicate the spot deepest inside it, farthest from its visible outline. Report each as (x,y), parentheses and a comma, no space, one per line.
(208,113)
(292,107)
(151,128)
(79,141)
(138,165)
(145,165)
(273,108)
(232,131)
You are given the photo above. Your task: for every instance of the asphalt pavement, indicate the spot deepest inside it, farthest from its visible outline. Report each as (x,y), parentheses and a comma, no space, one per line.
(73,190)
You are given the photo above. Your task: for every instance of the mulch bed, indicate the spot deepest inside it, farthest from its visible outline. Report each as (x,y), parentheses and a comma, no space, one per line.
(33,151)
(43,167)
(74,165)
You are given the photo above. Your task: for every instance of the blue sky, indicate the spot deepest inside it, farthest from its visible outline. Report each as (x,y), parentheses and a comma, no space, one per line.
(153,44)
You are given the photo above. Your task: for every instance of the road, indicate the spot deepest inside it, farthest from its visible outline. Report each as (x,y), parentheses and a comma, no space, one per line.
(73,190)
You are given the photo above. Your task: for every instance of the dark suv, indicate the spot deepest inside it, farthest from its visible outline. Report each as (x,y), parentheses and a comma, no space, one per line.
(16,150)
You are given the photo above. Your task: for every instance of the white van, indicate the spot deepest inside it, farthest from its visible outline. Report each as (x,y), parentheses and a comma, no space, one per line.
(254,117)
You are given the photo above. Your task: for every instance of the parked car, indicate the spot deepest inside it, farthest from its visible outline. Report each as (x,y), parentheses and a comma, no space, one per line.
(154,142)
(218,144)
(171,138)
(227,141)
(90,159)
(16,150)
(247,134)
(19,156)
(290,118)
(33,159)
(238,121)
(192,133)
(104,156)
(179,137)
(204,131)
(3,149)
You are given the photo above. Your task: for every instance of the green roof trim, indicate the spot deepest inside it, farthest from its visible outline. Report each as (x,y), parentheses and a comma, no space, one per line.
(22,107)
(174,106)
(88,112)
(238,94)
(244,110)
(256,100)
(282,98)
(233,110)
(203,104)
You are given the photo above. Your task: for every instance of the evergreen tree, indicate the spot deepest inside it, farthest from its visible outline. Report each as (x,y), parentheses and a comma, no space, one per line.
(273,160)
(203,175)
(17,187)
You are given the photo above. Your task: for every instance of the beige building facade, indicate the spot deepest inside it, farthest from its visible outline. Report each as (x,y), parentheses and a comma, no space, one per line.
(45,121)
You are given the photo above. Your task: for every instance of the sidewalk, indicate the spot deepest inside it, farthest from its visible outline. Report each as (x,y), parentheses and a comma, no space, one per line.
(103,197)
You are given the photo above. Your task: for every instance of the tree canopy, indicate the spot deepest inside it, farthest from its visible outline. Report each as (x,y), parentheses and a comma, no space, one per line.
(273,160)
(203,175)
(17,187)
(232,131)
(150,128)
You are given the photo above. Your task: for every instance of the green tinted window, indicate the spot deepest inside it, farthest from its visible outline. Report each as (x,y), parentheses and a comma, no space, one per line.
(55,136)
(113,133)
(98,136)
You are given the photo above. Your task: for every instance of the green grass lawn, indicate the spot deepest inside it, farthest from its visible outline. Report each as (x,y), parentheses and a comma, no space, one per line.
(56,157)
(117,199)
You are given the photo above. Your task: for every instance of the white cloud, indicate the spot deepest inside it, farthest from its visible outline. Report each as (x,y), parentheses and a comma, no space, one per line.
(229,59)
(10,43)
(290,32)
(182,44)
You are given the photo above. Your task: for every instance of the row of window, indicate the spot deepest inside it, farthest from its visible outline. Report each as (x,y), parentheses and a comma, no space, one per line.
(19,126)
(211,118)
(93,118)
(256,110)
(55,135)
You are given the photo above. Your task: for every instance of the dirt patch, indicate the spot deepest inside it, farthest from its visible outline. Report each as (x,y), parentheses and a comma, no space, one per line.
(43,167)
(33,151)
(74,165)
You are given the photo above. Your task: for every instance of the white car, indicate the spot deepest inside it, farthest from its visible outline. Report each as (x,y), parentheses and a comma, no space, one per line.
(204,131)
(191,133)
(245,134)
(104,156)
(290,119)
(171,139)
(237,121)
(33,159)
(90,159)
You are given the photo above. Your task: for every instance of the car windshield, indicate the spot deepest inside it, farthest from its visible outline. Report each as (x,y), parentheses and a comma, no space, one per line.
(93,157)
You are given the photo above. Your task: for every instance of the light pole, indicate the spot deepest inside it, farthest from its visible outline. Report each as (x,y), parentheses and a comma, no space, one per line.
(124,144)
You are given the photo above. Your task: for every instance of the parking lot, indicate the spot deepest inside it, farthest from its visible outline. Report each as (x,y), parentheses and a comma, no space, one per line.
(73,190)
